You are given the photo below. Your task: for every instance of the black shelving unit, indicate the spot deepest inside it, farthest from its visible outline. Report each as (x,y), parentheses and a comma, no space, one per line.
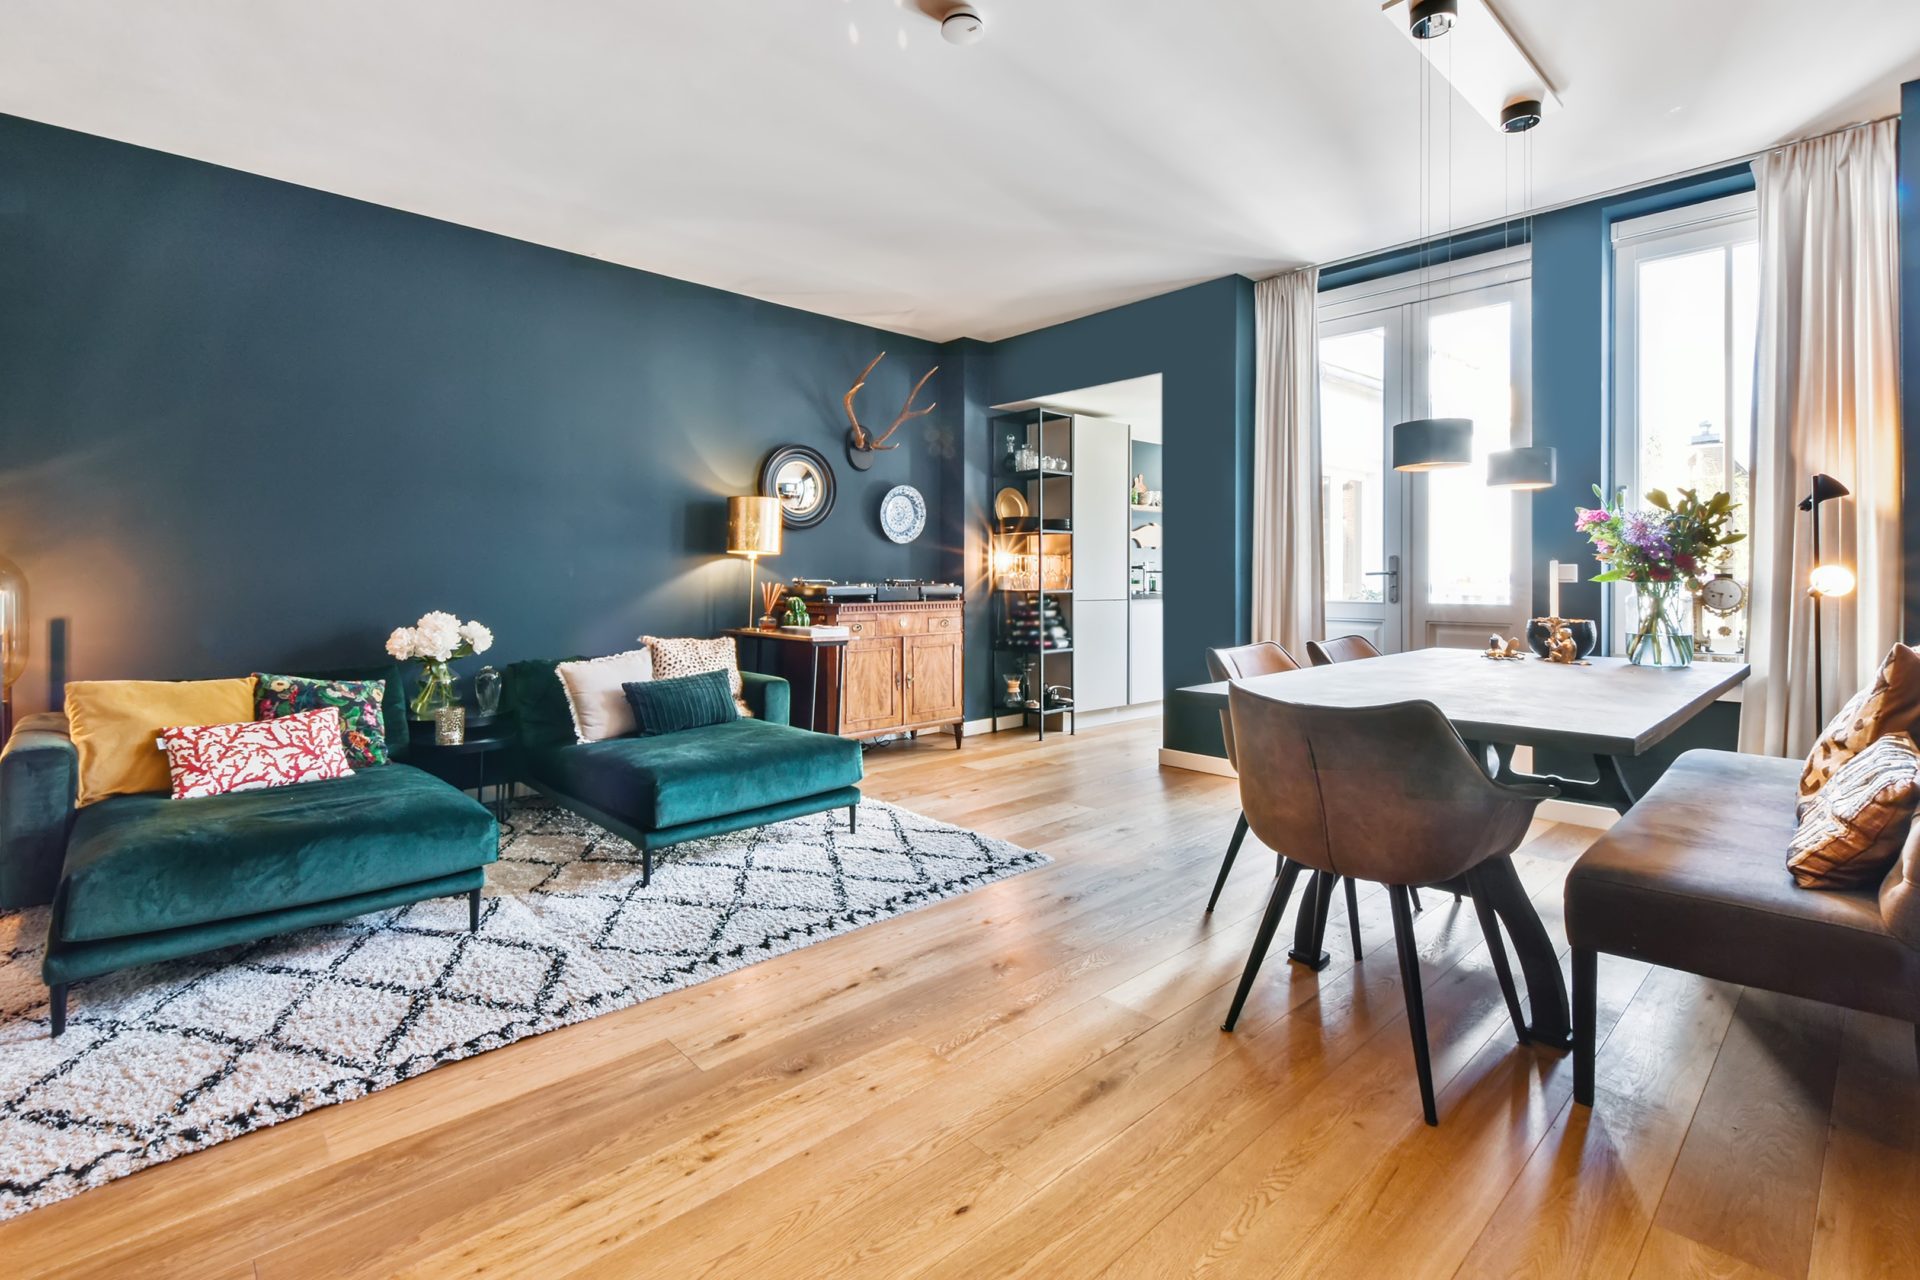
(1033,571)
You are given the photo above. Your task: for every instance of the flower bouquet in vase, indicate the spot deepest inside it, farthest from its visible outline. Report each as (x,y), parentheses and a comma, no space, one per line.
(433,642)
(1667,552)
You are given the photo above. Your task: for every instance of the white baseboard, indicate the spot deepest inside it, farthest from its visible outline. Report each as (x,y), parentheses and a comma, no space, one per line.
(1196,762)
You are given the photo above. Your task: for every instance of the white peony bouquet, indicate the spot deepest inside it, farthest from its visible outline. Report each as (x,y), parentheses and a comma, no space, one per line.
(434,641)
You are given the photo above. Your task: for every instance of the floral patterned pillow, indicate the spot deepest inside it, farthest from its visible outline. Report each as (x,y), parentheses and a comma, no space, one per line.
(214,759)
(363,726)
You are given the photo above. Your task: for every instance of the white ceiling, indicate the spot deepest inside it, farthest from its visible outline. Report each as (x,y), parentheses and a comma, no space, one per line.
(1135,401)
(837,156)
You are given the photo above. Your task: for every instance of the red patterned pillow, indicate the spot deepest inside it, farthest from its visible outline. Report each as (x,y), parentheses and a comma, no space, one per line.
(213,759)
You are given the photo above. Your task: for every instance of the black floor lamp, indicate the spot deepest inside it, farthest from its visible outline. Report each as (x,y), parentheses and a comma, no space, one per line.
(1826,580)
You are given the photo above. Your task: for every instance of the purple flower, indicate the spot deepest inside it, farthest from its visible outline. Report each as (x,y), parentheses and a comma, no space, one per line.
(1646,532)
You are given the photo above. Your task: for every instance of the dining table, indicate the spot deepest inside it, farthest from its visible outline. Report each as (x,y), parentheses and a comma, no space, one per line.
(1605,709)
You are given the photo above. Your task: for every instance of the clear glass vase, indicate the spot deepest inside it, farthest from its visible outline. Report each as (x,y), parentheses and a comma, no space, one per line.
(1662,634)
(435,692)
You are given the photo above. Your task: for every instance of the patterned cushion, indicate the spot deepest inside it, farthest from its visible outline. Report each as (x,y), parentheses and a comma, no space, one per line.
(684,702)
(690,657)
(1854,826)
(1891,704)
(593,688)
(363,725)
(214,759)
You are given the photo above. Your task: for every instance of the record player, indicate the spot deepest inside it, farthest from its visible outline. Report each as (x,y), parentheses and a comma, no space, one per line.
(829,589)
(897,589)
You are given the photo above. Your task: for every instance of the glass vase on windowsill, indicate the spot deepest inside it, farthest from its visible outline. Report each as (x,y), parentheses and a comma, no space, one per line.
(1660,637)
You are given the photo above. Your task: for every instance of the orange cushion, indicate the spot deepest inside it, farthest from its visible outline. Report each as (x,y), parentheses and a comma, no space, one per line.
(1852,829)
(1891,704)
(115,724)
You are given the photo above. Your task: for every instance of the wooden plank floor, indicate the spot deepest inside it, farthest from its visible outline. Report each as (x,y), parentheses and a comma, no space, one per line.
(1031,1080)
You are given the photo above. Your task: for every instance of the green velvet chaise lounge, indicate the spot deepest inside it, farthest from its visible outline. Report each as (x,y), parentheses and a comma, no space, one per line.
(665,790)
(142,878)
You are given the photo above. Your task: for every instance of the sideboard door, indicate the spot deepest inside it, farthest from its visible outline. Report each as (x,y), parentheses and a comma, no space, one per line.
(936,685)
(874,685)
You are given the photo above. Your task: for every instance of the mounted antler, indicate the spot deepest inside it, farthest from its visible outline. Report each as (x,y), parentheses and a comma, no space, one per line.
(865,441)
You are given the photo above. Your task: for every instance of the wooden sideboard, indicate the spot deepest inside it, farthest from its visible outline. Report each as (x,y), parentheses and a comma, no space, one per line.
(903,669)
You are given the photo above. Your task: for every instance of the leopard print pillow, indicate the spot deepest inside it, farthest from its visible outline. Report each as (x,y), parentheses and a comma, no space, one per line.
(1891,704)
(690,657)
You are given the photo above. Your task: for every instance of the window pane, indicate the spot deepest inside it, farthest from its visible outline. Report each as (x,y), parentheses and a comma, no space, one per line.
(1352,429)
(1683,373)
(1469,526)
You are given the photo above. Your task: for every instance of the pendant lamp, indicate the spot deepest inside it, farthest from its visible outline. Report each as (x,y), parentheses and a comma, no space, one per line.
(1528,467)
(1431,444)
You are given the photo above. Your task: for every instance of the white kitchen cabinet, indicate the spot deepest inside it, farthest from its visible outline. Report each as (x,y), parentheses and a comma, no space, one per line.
(1143,651)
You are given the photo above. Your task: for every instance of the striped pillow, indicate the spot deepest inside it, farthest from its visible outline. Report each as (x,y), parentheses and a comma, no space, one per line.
(1851,829)
(683,702)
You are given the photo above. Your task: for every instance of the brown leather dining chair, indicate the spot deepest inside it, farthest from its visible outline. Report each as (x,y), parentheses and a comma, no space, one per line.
(1324,653)
(1241,662)
(1389,794)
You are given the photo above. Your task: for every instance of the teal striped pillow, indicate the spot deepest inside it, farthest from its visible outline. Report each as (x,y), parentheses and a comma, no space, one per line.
(681,702)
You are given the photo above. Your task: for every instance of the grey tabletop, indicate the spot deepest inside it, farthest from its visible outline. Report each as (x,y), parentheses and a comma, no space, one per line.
(1610,707)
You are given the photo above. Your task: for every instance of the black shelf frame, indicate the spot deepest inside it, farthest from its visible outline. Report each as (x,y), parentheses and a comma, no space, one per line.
(1035,427)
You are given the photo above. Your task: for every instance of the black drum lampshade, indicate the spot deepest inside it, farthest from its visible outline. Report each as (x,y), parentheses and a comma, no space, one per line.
(1428,444)
(1531,467)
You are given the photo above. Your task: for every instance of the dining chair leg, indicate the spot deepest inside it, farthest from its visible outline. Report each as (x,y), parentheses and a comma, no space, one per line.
(1497,948)
(1276,907)
(1586,973)
(1353,916)
(1416,899)
(1405,943)
(1233,851)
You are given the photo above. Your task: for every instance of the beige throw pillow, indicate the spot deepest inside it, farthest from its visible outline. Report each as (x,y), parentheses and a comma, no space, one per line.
(1891,704)
(1854,826)
(599,705)
(673,658)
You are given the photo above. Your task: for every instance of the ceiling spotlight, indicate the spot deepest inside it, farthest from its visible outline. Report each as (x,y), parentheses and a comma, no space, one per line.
(963,25)
(1430,18)
(1520,115)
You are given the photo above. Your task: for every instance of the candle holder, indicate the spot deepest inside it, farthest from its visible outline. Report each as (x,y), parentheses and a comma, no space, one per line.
(450,726)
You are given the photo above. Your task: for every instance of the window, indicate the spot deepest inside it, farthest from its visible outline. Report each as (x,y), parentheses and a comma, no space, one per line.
(1686,306)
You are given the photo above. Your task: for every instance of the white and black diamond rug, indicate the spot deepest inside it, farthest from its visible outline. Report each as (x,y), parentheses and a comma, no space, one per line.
(167,1059)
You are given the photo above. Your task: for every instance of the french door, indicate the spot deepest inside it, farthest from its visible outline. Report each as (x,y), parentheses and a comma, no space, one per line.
(1418,559)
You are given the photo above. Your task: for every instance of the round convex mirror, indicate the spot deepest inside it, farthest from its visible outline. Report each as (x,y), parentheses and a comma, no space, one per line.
(800,477)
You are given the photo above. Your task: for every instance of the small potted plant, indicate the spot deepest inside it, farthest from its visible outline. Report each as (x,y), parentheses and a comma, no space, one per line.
(433,642)
(1667,553)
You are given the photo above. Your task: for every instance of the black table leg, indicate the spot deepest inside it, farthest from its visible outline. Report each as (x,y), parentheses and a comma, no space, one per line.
(1310,929)
(1500,887)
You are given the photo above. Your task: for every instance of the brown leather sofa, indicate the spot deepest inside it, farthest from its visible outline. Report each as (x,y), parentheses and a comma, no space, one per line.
(1694,877)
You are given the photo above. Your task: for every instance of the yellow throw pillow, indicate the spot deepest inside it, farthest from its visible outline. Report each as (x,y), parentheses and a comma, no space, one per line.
(1891,704)
(1852,829)
(114,724)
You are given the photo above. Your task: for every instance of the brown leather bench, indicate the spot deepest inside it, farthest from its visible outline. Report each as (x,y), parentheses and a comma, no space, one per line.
(1694,877)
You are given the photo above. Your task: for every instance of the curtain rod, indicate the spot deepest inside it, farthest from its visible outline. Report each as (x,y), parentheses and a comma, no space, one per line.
(1694,172)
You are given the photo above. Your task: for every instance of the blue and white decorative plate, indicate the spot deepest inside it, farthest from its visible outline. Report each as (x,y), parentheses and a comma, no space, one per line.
(903,513)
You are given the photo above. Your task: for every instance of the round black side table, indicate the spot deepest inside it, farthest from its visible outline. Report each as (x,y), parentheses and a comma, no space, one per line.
(465,765)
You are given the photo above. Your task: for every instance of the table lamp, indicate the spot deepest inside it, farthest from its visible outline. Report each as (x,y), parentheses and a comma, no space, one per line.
(13,638)
(753,530)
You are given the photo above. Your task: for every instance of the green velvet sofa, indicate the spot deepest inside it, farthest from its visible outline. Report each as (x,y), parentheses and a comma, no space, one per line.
(665,790)
(143,878)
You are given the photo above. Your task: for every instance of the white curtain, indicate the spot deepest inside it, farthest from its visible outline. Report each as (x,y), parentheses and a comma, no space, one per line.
(1287,573)
(1826,398)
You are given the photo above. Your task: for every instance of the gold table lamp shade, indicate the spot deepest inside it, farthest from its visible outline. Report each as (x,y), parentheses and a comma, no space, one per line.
(753,530)
(753,526)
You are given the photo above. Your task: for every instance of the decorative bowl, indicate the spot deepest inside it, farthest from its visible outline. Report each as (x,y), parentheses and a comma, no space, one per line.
(1586,635)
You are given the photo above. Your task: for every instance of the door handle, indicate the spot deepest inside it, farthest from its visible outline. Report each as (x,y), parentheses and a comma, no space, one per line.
(1392,574)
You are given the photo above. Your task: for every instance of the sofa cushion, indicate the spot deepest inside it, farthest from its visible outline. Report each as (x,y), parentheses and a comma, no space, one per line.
(1851,830)
(393,702)
(535,703)
(136,864)
(115,725)
(361,703)
(721,769)
(1694,877)
(679,704)
(1891,704)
